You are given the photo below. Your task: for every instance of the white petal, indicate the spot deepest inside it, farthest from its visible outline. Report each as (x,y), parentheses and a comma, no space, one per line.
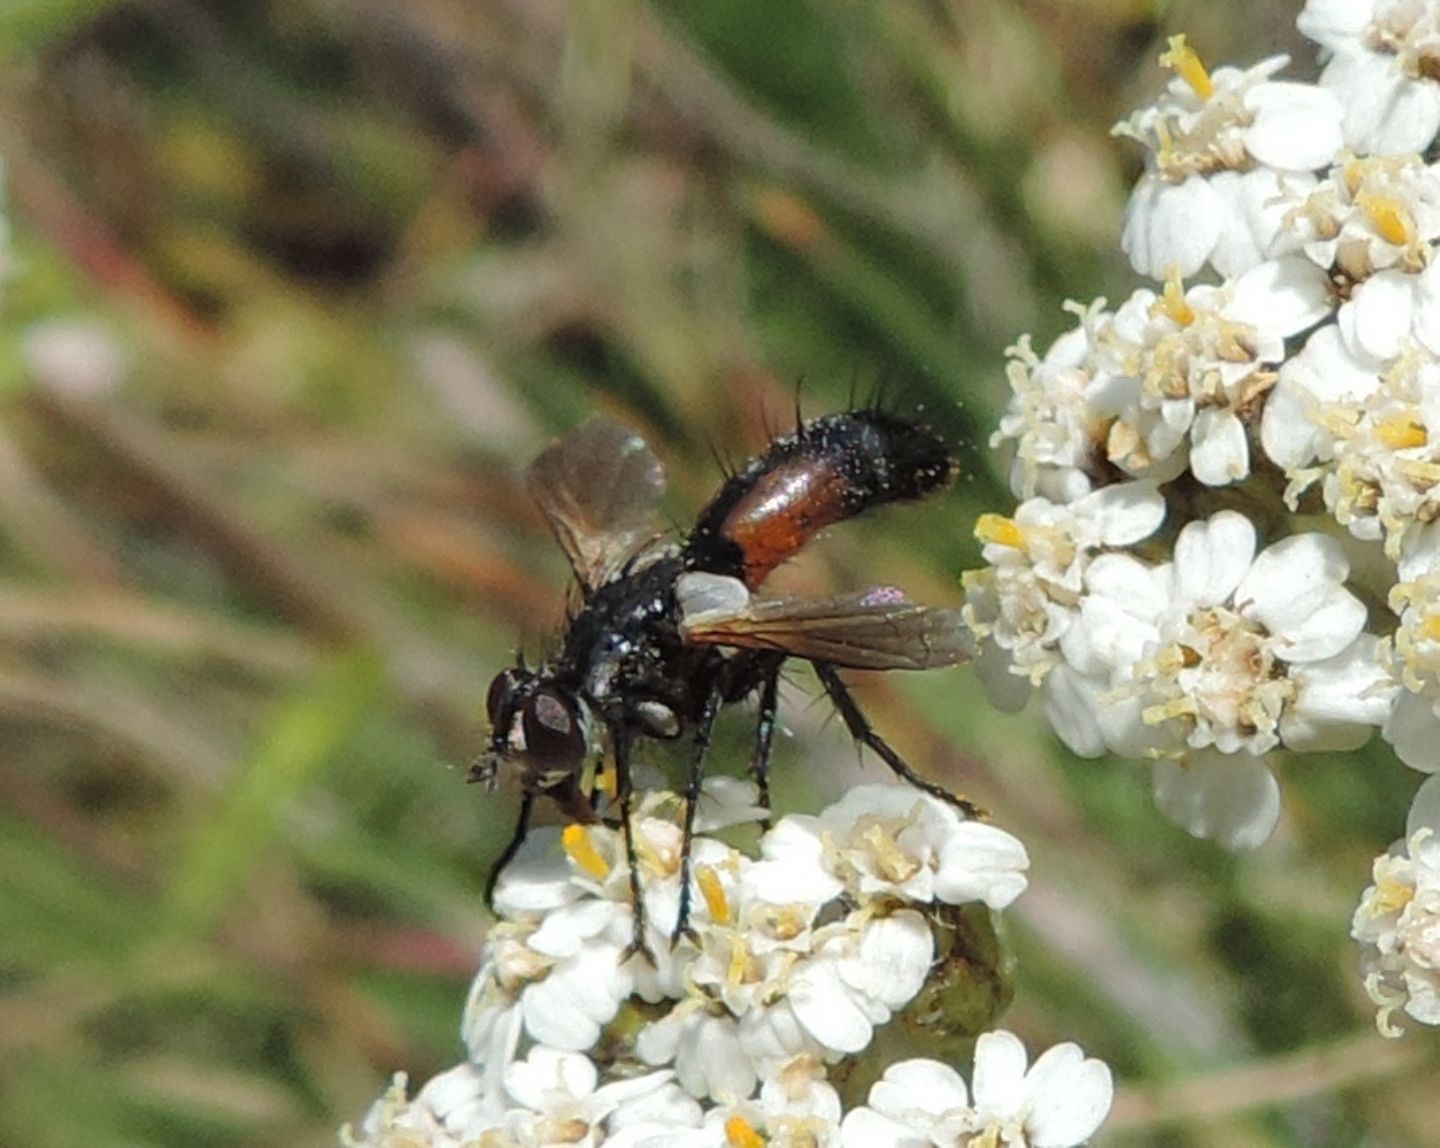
(1377,318)
(1071,707)
(535,1081)
(919,1085)
(1294,590)
(1427,307)
(827,1009)
(1386,113)
(537,880)
(1232,798)
(1212,556)
(1219,450)
(1281,296)
(1413,729)
(1289,427)
(863,1128)
(710,1062)
(1296,126)
(1124,513)
(980,862)
(1170,226)
(1339,701)
(1255,206)
(793,871)
(1070,1096)
(999,1077)
(1332,23)
(893,959)
(1128,583)
(1425,809)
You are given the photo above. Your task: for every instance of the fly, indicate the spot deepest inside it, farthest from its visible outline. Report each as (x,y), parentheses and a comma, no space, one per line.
(667,633)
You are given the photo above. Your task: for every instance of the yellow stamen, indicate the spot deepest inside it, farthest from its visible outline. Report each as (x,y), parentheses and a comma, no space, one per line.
(1183,61)
(1389,216)
(1430,627)
(714,893)
(1401,432)
(581,848)
(740,1133)
(1172,302)
(1000,530)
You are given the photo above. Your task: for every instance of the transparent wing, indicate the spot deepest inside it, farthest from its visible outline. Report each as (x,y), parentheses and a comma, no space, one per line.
(598,487)
(876,629)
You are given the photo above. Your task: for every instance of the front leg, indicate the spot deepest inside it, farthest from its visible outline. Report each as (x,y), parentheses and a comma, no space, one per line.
(621,739)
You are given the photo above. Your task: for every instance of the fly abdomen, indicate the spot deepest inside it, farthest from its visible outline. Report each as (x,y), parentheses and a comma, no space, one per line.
(831,469)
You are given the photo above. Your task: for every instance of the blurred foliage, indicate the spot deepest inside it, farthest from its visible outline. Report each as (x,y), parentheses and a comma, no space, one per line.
(297,289)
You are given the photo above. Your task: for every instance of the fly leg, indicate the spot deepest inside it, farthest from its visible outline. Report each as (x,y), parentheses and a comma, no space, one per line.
(621,738)
(764,736)
(698,750)
(517,839)
(861,730)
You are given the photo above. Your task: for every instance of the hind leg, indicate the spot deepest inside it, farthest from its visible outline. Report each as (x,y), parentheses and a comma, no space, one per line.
(861,730)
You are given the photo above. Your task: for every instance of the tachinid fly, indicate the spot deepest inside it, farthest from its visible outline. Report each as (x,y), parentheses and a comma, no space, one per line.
(668,632)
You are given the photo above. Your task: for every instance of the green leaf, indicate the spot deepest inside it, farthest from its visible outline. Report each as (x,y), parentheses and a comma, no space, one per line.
(305,736)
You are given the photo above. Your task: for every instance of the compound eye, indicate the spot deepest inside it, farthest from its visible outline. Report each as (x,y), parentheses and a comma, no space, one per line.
(500,701)
(551,724)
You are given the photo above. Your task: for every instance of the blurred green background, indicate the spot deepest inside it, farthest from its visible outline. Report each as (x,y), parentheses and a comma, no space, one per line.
(297,288)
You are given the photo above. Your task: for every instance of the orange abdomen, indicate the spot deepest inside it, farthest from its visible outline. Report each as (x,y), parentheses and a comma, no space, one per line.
(831,469)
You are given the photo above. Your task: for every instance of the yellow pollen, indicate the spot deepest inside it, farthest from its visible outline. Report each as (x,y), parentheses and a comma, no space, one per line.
(1182,60)
(581,848)
(714,894)
(1172,303)
(1401,432)
(740,1133)
(1000,530)
(1389,216)
(1430,627)
(1392,896)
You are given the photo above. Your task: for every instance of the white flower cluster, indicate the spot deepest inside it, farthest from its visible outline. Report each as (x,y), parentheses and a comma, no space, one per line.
(1398,920)
(733,1036)
(1227,541)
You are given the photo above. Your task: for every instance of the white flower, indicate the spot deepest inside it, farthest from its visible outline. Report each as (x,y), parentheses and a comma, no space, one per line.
(1219,630)
(1413,655)
(858,978)
(1383,57)
(1187,372)
(452,1110)
(558,1099)
(1371,441)
(1223,148)
(1370,214)
(1021,606)
(892,840)
(1049,419)
(1062,1100)
(1398,922)
(705,1049)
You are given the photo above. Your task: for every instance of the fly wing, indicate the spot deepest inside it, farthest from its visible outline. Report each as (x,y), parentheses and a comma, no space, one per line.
(598,487)
(875,629)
